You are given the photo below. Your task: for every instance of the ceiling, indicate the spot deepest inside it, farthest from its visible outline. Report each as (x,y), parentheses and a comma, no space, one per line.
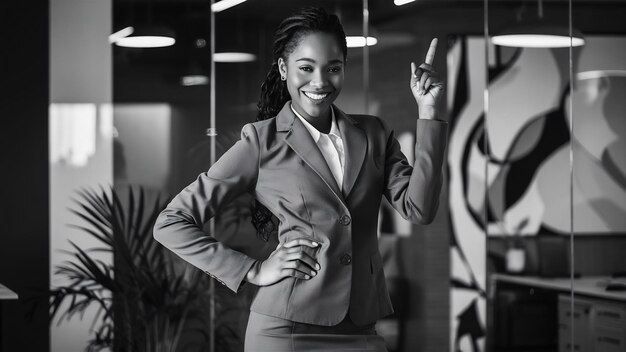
(249,26)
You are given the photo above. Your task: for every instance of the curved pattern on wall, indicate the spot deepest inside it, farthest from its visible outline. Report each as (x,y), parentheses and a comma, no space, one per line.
(516,182)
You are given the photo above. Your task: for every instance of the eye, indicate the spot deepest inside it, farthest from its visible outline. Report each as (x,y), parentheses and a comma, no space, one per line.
(306,68)
(335,69)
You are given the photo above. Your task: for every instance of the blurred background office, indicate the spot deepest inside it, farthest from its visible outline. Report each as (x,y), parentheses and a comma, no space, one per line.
(111,106)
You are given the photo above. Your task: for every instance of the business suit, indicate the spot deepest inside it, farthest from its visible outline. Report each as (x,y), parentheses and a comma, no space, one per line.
(278,162)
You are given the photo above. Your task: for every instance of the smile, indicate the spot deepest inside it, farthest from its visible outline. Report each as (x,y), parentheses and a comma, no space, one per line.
(316,97)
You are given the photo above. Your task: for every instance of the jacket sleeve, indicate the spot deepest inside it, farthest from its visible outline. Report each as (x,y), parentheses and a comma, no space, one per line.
(179,226)
(414,191)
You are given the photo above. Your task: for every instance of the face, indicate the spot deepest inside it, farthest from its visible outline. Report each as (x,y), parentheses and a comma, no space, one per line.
(314,72)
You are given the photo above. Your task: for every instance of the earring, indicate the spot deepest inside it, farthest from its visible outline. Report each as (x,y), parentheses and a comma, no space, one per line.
(283,78)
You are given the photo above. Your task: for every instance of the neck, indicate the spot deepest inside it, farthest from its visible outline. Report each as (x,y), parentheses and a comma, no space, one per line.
(321,123)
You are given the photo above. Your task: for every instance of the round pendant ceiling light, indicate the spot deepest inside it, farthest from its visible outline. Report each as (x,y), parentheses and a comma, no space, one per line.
(147,37)
(538,33)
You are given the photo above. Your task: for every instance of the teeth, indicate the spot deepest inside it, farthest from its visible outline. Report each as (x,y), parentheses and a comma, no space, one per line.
(315,96)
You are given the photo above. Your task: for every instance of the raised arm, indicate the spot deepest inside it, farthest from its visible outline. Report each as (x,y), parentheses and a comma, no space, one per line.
(414,191)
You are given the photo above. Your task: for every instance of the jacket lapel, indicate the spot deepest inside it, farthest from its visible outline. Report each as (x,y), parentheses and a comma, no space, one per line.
(355,146)
(300,140)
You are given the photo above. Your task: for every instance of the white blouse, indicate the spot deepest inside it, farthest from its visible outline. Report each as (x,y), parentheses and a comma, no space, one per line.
(331,146)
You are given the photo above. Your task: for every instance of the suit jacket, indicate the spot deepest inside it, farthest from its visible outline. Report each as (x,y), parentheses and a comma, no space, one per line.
(279,163)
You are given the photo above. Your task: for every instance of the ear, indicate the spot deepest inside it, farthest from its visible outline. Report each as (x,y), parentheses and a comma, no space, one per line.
(282,67)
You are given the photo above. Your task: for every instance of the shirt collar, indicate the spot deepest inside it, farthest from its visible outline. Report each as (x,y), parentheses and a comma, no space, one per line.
(334,129)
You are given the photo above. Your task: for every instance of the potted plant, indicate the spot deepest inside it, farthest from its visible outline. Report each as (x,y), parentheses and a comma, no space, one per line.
(147,300)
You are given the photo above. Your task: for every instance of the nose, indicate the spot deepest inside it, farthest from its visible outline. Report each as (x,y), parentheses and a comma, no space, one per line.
(318,80)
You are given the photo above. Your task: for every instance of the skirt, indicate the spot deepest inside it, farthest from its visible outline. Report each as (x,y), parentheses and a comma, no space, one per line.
(270,334)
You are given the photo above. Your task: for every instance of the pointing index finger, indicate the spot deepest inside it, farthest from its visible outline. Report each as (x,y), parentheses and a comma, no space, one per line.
(430,55)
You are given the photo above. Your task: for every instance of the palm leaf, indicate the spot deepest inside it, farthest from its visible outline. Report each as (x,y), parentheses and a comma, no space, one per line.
(103,230)
(97,211)
(91,268)
(131,217)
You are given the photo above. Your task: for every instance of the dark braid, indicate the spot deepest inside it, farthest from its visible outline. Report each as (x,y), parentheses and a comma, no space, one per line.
(274,93)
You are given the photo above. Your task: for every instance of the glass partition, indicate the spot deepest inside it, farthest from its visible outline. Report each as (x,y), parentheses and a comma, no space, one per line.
(524,145)
(417,266)
(80,139)
(592,316)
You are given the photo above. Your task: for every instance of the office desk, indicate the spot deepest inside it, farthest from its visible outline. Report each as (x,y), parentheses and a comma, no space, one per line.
(5,294)
(592,286)
(537,313)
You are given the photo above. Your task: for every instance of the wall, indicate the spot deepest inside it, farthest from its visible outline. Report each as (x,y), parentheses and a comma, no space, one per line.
(81,132)
(144,144)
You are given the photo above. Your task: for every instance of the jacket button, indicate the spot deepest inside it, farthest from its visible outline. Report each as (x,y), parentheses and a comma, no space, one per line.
(345,259)
(345,220)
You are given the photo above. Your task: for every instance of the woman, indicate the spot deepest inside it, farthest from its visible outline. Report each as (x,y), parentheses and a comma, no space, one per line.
(322,173)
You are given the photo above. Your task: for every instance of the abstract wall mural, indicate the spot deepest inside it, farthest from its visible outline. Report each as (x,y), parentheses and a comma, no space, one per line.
(513,179)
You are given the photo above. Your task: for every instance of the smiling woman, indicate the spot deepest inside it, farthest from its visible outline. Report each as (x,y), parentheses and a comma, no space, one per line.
(314,76)
(322,173)
(309,56)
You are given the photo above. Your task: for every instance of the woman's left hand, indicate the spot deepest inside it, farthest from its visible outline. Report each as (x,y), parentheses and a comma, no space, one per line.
(426,86)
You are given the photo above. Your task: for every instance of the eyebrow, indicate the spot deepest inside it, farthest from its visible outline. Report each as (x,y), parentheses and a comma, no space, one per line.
(335,61)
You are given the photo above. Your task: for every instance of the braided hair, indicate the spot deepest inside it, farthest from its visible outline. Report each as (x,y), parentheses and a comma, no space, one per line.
(274,93)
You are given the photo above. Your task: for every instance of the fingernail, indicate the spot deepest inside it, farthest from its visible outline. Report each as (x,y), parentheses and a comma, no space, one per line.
(317,266)
(314,244)
(307,277)
(313,273)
